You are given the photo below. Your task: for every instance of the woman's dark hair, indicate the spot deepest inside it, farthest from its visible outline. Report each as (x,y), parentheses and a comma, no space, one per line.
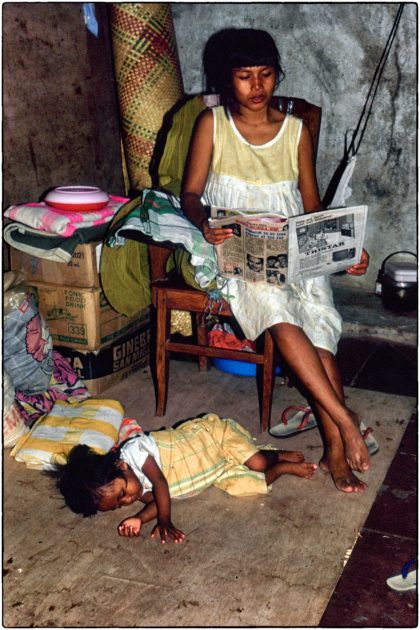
(236,48)
(84,474)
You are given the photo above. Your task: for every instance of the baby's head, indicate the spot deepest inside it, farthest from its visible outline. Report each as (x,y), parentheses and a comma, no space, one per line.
(83,478)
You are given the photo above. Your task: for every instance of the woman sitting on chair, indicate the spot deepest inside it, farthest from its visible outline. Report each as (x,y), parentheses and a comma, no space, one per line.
(245,153)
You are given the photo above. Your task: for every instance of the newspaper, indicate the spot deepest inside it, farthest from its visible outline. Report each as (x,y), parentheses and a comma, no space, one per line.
(269,247)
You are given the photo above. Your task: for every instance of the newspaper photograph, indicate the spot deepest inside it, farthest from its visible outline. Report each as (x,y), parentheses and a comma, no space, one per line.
(268,247)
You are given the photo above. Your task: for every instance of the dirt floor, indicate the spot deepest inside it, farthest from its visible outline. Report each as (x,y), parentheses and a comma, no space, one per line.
(270,560)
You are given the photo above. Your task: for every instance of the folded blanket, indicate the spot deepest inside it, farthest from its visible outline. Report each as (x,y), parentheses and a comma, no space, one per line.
(49,246)
(93,422)
(62,222)
(159,216)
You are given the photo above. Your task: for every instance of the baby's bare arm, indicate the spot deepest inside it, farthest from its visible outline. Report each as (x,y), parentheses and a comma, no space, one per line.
(163,502)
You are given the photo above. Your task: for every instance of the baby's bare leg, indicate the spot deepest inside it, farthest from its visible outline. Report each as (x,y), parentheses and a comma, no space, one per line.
(301,469)
(264,459)
(273,467)
(273,457)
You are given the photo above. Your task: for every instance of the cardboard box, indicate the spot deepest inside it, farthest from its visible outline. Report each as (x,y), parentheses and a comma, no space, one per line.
(104,368)
(81,271)
(81,317)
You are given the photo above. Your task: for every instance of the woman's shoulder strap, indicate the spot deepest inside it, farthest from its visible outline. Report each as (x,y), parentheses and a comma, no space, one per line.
(294,127)
(294,121)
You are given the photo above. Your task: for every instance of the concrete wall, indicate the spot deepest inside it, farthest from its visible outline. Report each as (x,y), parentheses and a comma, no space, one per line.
(330,52)
(59,101)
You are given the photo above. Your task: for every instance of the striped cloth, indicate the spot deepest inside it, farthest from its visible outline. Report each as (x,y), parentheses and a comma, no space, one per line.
(93,422)
(148,77)
(64,223)
(159,216)
(208,452)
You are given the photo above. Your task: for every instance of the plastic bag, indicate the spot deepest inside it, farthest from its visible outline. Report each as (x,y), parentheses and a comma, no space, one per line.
(13,423)
(224,337)
(27,343)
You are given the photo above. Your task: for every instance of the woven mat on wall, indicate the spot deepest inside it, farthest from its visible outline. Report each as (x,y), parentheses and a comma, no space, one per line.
(148,76)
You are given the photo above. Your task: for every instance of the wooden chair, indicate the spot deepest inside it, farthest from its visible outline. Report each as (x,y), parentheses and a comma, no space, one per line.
(170,292)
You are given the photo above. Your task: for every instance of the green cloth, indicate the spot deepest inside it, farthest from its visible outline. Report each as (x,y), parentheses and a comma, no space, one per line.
(172,163)
(171,171)
(125,267)
(125,274)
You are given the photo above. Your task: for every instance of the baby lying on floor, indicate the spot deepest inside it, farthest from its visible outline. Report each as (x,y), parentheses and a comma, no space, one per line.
(172,463)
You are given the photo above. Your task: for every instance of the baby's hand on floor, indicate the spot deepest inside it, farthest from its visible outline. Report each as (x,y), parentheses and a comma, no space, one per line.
(130,527)
(167,529)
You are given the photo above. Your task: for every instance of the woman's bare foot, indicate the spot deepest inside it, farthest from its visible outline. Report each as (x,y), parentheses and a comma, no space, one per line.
(355,449)
(290,456)
(341,474)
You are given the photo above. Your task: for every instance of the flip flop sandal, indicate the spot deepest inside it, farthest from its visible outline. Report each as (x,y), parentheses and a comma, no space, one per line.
(303,420)
(371,443)
(294,420)
(406,580)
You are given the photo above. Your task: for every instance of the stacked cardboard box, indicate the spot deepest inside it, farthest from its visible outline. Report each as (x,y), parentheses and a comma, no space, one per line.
(81,271)
(102,345)
(103,368)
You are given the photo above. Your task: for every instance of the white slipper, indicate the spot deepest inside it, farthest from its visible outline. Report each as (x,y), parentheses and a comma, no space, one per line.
(400,583)
(301,419)
(371,443)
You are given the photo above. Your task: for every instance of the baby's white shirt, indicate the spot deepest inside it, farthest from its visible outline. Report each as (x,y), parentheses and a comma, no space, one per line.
(134,453)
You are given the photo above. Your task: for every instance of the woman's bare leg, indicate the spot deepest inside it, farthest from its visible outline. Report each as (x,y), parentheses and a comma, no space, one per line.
(303,359)
(333,459)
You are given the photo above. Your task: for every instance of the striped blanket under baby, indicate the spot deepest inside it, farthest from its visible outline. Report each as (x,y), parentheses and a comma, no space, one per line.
(206,452)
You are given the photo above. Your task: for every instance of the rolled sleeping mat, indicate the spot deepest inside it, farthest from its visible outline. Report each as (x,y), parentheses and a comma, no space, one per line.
(148,77)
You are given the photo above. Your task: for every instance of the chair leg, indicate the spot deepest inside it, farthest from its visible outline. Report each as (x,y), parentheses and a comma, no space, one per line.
(202,340)
(162,354)
(266,381)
